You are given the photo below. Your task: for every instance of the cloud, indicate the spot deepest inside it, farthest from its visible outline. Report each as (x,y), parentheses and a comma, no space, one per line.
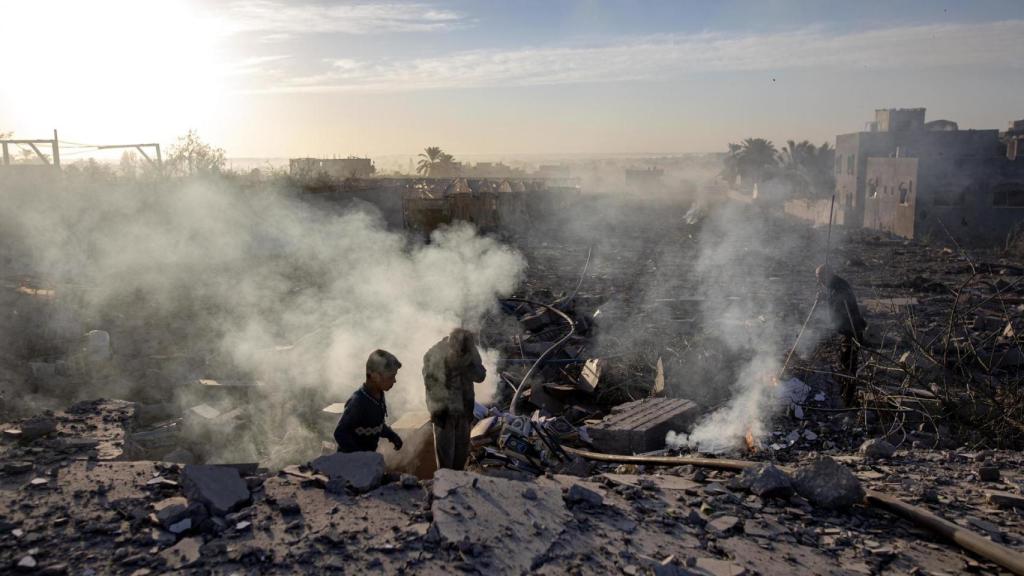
(279,21)
(670,55)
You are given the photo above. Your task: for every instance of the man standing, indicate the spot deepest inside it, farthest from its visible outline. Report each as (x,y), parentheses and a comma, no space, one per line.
(450,368)
(845,319)
(363,422)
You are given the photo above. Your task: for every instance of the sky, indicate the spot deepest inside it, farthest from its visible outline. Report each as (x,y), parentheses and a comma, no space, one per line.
(282,78)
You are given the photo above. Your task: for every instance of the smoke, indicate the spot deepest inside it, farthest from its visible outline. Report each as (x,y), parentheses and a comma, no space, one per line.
(255,284)
(744,259)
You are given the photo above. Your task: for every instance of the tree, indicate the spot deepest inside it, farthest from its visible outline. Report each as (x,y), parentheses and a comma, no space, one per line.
(436,162)
(430,159)
(808,169)
(754,161)
(191,156)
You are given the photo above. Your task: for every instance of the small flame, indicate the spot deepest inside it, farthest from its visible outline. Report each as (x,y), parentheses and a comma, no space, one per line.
(753,445)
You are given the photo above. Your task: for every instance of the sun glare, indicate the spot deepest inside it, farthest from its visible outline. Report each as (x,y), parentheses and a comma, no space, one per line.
(110,69)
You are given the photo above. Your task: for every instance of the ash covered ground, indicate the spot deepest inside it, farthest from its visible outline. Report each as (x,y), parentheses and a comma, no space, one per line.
(185,430)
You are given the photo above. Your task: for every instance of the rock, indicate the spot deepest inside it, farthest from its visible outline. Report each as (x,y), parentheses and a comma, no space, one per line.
(988,474)
(180,526)
(220,488)
(409,481)
(577,494)
(170,510)
(1005,499)
(360,471)
(37,427)
(722,524)
(183,554)
(27,562)
(877,448)
(508,533)
(766,481)
(828,484)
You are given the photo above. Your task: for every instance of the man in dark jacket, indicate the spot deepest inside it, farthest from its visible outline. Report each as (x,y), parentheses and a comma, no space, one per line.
(845,319)
(363,422)
(450,368)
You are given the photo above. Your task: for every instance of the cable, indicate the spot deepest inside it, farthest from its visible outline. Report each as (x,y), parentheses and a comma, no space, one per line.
(582,274)
(552,348)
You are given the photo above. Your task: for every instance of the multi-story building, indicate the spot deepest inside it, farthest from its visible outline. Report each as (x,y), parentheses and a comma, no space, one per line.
(915,179)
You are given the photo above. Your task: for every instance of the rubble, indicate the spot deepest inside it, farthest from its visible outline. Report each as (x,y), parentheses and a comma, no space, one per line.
(828,484)
(766,481)
(358,471)
(510,532)
(220,488)
(641,426)
(530,506)
(877,448)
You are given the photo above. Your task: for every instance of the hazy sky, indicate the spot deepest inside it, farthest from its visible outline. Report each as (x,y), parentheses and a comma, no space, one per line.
(302,77)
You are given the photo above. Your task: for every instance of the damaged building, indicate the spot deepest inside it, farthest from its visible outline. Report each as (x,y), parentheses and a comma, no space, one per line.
(918,179)
(310,168)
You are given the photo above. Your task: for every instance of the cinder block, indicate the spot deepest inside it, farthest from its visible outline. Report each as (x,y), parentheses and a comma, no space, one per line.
(640,426)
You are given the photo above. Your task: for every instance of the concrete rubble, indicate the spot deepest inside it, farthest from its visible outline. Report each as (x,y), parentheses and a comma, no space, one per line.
(135,487)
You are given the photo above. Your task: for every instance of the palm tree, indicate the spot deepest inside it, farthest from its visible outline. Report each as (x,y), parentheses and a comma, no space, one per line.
(756,159)
(430,159)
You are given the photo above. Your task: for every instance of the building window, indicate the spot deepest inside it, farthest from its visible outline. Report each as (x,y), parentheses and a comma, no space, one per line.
(849,163)
(1009,196)
(904,195)
(873,188)
(839,164)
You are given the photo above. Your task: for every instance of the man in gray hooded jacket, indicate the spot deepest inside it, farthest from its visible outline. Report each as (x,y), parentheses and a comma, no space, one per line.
(450,368)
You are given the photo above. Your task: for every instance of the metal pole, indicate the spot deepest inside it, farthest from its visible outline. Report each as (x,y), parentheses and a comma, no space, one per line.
(828,238)
(56,150)
(7,155)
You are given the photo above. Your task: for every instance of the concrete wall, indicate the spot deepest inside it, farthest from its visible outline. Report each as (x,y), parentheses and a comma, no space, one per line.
(891,195)
(815,211)
(959,199)
(852,153)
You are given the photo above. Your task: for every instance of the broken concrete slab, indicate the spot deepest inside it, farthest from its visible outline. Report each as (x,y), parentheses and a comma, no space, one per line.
(360,471)
(828,484)
(641,425)
(508,530)
(220,488)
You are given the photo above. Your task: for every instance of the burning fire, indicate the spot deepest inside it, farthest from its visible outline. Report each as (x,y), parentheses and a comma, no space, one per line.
(753,444)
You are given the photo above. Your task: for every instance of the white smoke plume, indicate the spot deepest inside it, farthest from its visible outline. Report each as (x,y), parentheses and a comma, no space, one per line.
(744,257)
(261,284)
